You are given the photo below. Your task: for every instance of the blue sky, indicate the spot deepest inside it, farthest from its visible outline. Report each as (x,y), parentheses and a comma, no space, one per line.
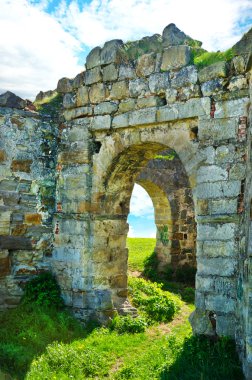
(45,40)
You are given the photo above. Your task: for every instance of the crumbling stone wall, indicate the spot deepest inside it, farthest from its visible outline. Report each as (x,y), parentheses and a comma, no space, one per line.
(133,102)
(27,192)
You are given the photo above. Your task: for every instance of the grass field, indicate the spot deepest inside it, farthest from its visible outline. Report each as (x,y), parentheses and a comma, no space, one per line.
(45,343)
(139,250)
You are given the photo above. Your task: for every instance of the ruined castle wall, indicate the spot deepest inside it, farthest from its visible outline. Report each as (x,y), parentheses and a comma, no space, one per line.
(27,191)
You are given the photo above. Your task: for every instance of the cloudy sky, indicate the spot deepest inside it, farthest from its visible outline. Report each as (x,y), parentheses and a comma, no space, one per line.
(44,40)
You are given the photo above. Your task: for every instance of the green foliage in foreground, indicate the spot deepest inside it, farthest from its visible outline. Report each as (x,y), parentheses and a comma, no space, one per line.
(154,303)
(139,250)
(123,324)
(208,58)
(43,290)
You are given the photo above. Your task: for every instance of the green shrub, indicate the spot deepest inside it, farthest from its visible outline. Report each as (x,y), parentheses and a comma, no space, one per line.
(208,58)
(188,295)
(128,324)
(186,274)
(152,301)
(43,290)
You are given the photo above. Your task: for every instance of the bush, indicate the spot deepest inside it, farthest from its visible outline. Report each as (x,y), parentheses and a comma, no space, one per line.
(128,324)
(151,267)
(188,295)
(208,58)
(43,290)
(156,304)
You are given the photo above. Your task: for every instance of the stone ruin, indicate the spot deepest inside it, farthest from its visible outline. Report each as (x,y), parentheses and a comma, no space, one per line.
(143,113)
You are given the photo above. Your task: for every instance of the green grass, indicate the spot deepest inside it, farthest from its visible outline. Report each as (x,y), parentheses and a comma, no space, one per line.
(45,343)
(139,250)
(208,58)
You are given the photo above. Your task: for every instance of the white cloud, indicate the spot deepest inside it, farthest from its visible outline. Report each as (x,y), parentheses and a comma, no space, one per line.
(131,232)
(38,48)
(217,23)
(140,203)
(35,50)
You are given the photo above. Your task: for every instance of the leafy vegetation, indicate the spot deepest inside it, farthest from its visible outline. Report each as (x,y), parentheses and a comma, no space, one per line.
(203,59)
(152,302)
(50,105)
(39,341)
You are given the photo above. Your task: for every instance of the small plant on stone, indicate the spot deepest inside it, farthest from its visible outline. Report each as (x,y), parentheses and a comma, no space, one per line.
(163,233)
(43,290)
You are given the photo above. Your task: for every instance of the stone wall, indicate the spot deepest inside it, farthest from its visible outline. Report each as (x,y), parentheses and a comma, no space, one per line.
(134,102)
(27,193)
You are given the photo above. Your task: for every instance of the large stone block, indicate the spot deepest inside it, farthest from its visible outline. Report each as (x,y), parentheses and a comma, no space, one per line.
(212,87)
(146,65)
(216,266)
(223,206)
(127,72)
(175,57)
(5,222)
(98,93)
(64,85)
(78,112)
(218,129)
(225,286)
(216,231)
(73,157)
(101,122)
(127,105)
(231,108)
(220,303)
(93,58)
(111,52)
(119,90)
(21,166)
(93,76)
(69,100)
(159,83)
(82,97)
(216,70)
(185,77)
(211,173)
(5,263)
(121,121)
(110,73)
(15,242)
(105,108)
(146,116)
(138,87)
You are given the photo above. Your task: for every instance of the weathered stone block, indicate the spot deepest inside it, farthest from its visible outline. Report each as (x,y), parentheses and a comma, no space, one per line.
(216,266)
(111,52)
(69,100)
(211,173)
(216,231)
(223,206)
(2,155)
(32,219)
(93,75)
(119,90)
(185,77)
(159,83)
(237,171)
(220,304)
(5,264)
(216,70)
(146,116)
(175,57)
(82,97)
(121,121)
(232,108)
(110,73)
(226,326)
(239,64)
(93,58)
(145,65)
(74,157)
(151,101)
(21,166)
(218,129)
(216,248)
(225,286)
(212,87)
(126,72)
(78,81)
(101,122)
(98,93)
(15,242)
(105,108)
(237,83)
(127,105)
(78,112)
(64,85)
(5,222)
(138,87)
